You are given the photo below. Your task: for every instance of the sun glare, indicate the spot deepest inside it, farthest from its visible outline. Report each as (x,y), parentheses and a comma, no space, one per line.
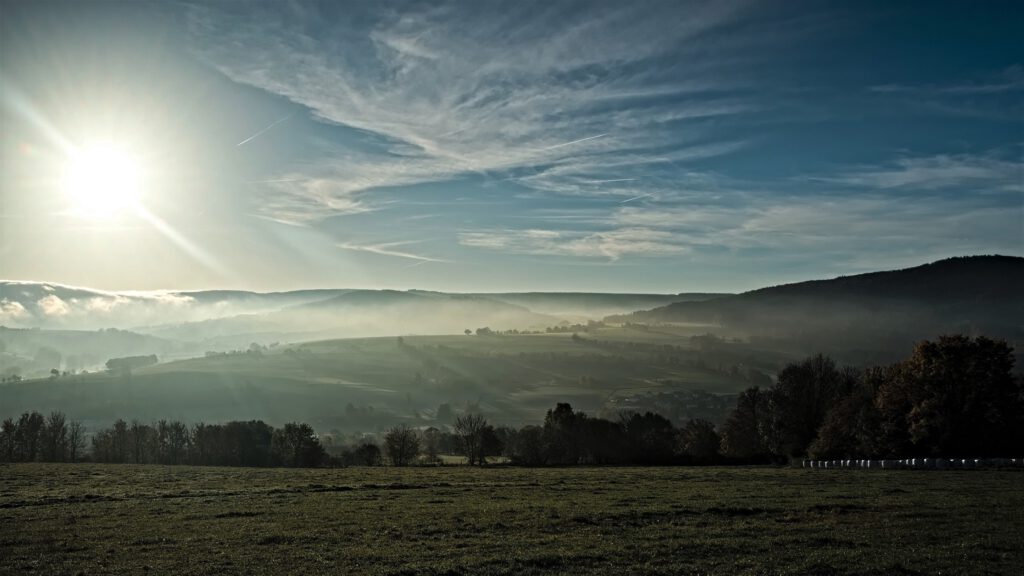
(102,182)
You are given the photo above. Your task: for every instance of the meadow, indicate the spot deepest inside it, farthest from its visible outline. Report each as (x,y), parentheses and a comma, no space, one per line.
(123,519)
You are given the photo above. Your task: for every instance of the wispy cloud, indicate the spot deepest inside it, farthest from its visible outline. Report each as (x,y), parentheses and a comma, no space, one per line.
(450,91)
(987,97)
(610,244)
(988,172)
(1009,80)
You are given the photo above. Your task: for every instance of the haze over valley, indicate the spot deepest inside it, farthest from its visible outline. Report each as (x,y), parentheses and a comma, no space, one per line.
(451,287)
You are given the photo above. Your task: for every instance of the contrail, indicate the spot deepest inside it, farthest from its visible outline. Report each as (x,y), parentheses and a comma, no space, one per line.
(607,181)
(384,250)
(635,198)
(575,142)
(276,181)
(453,132)
(272,124)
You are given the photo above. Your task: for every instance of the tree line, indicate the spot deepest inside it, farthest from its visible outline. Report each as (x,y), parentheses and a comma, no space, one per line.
(953,397)
(567,437)
(33,438)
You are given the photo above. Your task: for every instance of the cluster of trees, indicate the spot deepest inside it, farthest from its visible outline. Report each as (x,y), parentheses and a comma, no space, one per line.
(954,397)
(254,349)
(37,438)
(567,437)
(471,436)
(252,443)
(570,437)
(127,364)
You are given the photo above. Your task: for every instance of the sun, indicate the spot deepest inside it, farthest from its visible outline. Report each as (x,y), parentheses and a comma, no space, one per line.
(102,181)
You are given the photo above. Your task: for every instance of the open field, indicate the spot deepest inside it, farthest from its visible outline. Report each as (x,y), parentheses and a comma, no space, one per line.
(110,519)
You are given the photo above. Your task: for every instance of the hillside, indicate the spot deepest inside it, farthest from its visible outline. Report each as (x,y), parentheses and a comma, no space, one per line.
(30,353)
(367,383)
(875,311)
(593,305)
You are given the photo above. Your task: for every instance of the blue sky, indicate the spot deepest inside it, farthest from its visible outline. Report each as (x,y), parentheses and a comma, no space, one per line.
(483,146)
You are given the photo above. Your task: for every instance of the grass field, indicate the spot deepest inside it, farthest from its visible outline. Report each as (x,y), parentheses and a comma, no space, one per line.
(111,519)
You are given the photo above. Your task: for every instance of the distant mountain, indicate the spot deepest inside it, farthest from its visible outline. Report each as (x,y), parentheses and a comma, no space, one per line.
(51,305)
(229,317)
(362,313)
(976,294)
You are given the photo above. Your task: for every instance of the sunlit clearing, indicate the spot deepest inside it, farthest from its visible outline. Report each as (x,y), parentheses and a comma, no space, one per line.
(101,182)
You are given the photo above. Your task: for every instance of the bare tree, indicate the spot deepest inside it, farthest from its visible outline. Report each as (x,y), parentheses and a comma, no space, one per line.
(470,430)
(76,440)
(55,437)
(431,443)
(139,438)
(402,445)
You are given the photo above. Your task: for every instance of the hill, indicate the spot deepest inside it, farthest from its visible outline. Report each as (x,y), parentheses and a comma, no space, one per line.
(231,318)
(594,305)
(869,312)
(31,353)
(368,383)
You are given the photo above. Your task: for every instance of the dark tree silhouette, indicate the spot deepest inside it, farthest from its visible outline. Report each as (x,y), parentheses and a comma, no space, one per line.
(296,445)
(743,431)
(798,403)
(402,445)
(366,454)
(699,441)
(651,438)
(477,438)
(527,448)
(959,397)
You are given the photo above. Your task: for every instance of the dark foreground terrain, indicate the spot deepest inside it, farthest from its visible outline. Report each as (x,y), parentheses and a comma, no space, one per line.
(101,519)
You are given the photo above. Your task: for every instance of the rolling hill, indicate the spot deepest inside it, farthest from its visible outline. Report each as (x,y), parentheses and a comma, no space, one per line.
(660,359)
(876,311)
(367,383)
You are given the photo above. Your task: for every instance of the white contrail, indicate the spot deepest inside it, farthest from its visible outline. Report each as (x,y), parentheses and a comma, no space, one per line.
(272,124)
(575,142)
(384,250)
(607,181)
(277,181)
(635,198)
(453,132)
